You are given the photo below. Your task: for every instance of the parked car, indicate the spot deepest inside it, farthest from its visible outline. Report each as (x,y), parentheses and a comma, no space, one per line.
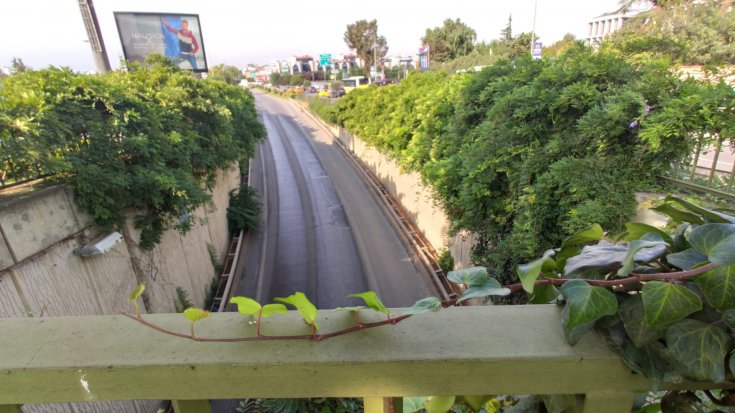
(312,89)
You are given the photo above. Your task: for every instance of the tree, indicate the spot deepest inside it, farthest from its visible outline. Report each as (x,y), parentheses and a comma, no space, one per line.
(452,40)
(17,66)
(683,32)
(362,36)
(507,33)
(560,46)
(228,74)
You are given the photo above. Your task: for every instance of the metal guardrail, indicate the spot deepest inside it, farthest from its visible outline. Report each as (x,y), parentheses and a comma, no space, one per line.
(710,169)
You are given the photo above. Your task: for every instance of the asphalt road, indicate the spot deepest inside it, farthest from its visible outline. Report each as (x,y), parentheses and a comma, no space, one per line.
(322,231)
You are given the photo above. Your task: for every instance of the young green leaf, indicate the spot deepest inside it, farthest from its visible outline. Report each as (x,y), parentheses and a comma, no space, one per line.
(652,361)
(302,305)
(529,273)
(476,402)
(468,276)
(424,305)
(586,303)
(371,300)
(194,314)
(246,305)
(134,296)
(665,303)
(270,309)
(439,404)
(491,287)
(717,241)
(413,404)
(592,233)
(137,292)
(698,349)
(635,230)
(718,287)
(544,294)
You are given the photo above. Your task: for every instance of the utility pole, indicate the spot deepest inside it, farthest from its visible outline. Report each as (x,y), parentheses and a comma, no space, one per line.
(95,36)
(375,53)
(533,29)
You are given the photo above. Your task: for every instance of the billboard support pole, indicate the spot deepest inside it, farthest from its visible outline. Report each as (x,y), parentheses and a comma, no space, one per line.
(95,36)
(533,29)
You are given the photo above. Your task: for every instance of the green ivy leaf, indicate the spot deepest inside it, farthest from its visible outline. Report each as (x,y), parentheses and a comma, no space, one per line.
(413,404)
(559,403)
(687,259)
(544,294)
(596,261)
(636,230)
(371,300)
(708,214)
(246,305)
(473,276)
(652,361)
(424,305)
(718,287)
(592,233)
(717,241)
(270,309)
(439,404)
(302,305)
(476,402)
(196,314)
(563,255)
(633,316)
(678,215)
(529,273)
(698,349)
(649,241)
(728,317)
(666,303)
(491,287)
(587,303)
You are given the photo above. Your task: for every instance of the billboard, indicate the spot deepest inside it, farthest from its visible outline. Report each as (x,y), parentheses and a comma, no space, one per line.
(424,57)
(536,51)
(176,36)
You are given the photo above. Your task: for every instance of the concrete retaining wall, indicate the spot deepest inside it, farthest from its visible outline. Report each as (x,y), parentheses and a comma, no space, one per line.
(41,275)
(415,197)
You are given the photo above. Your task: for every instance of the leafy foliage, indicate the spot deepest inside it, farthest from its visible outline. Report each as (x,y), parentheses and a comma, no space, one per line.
(526,153)
(149,139)
(450,41)
(362,37)
(243,213)
(228,74)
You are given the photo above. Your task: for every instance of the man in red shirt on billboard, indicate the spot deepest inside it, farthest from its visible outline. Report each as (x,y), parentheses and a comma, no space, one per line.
(188,45)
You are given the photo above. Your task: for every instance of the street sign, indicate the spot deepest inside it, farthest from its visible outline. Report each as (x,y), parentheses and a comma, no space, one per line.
(537,46)
(325,59)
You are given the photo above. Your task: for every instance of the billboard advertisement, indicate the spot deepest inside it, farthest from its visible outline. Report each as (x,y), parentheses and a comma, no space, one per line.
(424,57)
(176,36)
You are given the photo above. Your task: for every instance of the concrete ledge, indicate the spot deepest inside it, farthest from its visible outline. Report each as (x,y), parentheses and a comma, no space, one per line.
(466,350)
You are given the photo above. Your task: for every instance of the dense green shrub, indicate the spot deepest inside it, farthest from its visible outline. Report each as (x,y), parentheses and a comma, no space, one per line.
(325,109)
(150,139)
(243,211)
(525,153)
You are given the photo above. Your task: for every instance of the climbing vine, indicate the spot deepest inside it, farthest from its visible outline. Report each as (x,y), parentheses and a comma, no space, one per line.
(146,139)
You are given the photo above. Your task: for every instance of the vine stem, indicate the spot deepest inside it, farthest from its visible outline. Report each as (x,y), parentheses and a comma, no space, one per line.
(315,337)
(632,279)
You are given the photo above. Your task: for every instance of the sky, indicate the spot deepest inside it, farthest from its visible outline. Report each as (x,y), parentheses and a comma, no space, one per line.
(238,32)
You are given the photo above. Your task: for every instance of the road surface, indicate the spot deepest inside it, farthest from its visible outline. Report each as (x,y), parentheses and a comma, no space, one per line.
(322,231)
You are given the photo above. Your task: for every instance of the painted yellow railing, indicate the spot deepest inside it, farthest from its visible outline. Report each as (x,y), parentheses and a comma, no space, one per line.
(464,350)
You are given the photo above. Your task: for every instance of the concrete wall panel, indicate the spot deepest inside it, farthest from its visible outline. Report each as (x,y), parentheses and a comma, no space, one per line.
(6,259)
(36,220)
(112,277)
(57,284)
(10,304)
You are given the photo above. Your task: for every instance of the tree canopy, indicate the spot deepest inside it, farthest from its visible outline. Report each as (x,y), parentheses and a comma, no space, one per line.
(683,32)
(228,74)
(450,41)
(362,36)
